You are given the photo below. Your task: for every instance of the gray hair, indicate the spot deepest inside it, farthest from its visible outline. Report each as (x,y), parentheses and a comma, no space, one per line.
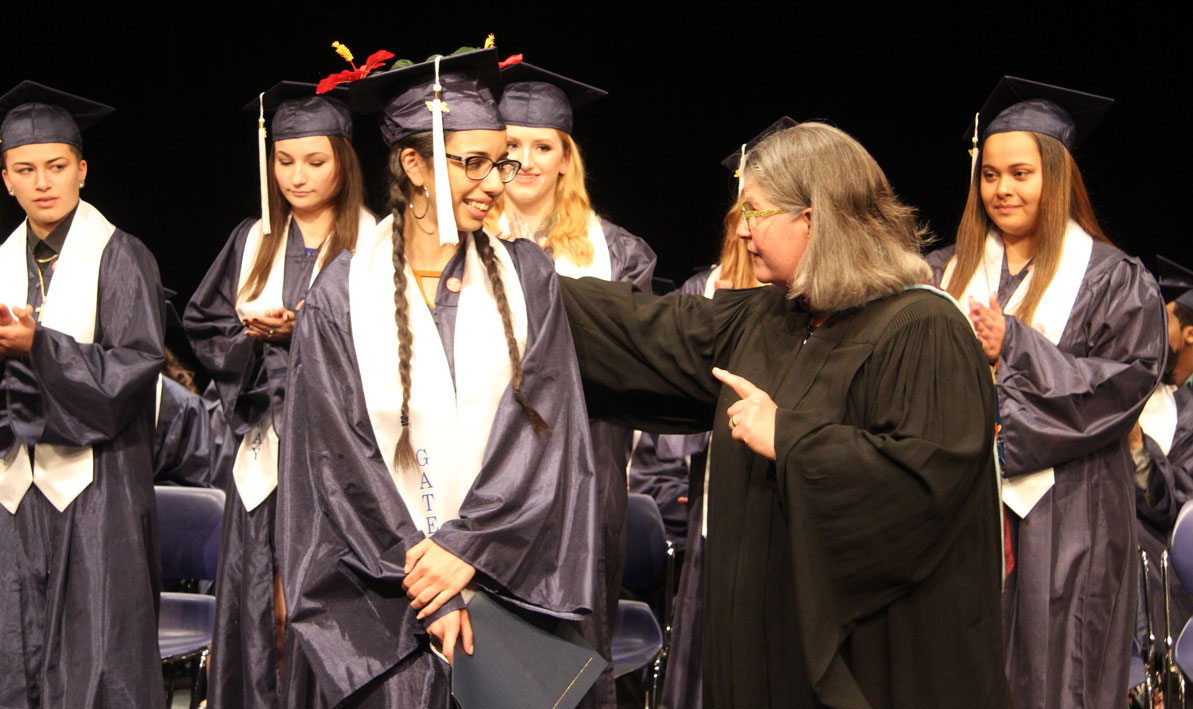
(863,241)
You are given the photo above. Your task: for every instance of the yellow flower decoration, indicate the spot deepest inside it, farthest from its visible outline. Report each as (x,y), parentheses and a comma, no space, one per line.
(343,51)
(490,41)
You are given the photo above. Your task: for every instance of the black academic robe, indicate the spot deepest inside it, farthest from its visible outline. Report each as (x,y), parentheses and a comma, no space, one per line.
(1069,604)
(78,610)
(863,567)
(1169,487)
(528,525)
(250,377)
(182,438)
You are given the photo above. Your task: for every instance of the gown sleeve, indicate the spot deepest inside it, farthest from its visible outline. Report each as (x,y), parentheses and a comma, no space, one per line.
(182,439)
(235,361)
(1058,404)
(646,360)
(69,393)
(882,502)
(538,552)
(632,259)
(343,530)
(1170,483)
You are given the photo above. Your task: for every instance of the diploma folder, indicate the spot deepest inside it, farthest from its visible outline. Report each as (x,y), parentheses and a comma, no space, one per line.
(517,665)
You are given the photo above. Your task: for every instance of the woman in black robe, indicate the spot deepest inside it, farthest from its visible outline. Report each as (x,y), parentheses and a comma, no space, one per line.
(240,322)
(853,555)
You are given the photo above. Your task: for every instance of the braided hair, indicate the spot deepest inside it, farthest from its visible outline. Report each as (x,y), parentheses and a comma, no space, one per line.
(399,200)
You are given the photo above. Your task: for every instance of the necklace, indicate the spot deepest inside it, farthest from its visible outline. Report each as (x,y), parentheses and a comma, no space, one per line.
(41,282)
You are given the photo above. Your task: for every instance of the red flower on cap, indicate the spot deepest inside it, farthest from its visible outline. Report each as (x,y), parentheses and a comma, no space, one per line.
(375,61)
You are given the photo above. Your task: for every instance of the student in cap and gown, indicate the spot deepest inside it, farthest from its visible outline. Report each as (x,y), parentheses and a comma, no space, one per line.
(182,442)
(1162,449)
(435,465)
(1076,355)
(852,556)
(79,568)
(548,202)
(672,466)
(240,322)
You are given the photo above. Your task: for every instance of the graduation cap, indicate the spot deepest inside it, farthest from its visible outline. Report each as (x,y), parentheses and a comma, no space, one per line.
(733,161)
(1022,105)
(537,98)
(453,93)
(517,665)
(35,113)
(1176,281)
(297,113)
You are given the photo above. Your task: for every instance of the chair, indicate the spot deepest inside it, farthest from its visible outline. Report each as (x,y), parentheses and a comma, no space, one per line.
(638,640)
(189,521)
(1180,654)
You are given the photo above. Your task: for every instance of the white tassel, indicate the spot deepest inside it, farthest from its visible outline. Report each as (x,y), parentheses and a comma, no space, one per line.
(741,177)
(263,166)
(444,212)
(973,152)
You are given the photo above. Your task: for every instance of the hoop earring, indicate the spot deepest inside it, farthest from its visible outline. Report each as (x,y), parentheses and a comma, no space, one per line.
(427,196)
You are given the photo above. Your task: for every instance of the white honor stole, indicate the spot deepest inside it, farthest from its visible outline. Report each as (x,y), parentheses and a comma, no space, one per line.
(1022,492)
(1159,417)
(710,289)
(449,425)
(601,266)
(60,472)
(255,470)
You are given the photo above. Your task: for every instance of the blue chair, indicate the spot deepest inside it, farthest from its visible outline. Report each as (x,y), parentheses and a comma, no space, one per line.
(189,521)
(638,640)
(1180,654)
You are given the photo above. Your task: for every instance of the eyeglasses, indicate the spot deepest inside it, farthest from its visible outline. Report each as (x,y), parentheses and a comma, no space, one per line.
(751,215)
(478,167)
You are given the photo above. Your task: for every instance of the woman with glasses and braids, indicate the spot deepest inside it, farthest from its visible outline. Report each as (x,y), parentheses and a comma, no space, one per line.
(240,322)
(451,455)
(548,202)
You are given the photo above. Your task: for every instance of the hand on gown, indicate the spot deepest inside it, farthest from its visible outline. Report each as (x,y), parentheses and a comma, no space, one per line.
(433,576)
(275,325)
(752,419)
(989,325)
(448,628)
(16,331)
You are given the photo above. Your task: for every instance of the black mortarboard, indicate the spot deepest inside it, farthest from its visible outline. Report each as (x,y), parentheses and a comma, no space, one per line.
(517,664)
(1176,282)
(34,113)
(1019,104)
(538,98)
(404,94)
(733,160)
(299,113)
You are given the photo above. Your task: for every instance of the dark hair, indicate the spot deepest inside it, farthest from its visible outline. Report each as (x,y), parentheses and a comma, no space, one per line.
(348,200)
(1184,314)
(1063,197)
(399,199)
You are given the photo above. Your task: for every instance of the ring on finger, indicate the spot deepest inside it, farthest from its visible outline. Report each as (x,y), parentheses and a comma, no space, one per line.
(733,422)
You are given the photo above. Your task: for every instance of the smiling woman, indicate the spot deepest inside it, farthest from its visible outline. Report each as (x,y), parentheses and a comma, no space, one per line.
(428,471)
(1075,331)
(240,322)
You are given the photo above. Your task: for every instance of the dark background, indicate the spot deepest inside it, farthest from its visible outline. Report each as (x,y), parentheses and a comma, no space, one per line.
(176,165)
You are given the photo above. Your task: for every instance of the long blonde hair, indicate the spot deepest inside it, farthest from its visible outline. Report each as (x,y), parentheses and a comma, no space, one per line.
(1062,197)
(736,266)
(567,224)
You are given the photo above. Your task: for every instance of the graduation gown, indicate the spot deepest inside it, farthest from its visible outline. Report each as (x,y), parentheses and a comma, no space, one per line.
(250,378)
(863,567)
(1069,604)
(182,448)
(78,615)
(1169,487)
(667,466)
(528,524)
